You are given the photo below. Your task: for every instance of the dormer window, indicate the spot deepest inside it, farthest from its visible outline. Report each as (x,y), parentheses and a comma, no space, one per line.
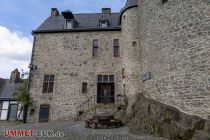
(69,24)
(104,23)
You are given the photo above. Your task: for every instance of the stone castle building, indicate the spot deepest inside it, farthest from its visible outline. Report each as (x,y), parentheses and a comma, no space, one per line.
(98,62)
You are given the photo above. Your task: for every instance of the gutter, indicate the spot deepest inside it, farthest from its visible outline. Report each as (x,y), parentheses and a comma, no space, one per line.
(77,30)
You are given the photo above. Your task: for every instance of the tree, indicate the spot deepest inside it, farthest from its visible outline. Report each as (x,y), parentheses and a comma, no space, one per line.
(23,97)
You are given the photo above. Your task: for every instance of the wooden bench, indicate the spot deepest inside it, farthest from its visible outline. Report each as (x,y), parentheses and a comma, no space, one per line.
(102,120)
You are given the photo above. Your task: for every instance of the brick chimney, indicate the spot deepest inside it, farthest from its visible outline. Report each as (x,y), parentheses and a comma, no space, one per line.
(106,11)
(54,12)
(15,76)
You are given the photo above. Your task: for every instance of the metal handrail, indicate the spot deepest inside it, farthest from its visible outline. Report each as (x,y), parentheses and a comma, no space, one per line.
(92,101)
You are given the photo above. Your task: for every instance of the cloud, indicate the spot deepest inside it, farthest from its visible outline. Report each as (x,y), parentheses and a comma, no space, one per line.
(15,51)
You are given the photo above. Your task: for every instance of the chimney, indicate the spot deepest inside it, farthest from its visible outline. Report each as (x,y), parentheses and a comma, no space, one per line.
(15,76)
(54,12)
(106,11)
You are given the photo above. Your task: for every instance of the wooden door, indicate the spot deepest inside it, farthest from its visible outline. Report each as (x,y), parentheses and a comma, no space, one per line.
(44,113)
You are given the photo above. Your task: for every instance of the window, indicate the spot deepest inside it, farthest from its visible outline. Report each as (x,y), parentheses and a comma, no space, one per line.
(104,24)
(105,78)
(163,1)
(69,24)
(48,84)
(95,47)
(84,87)
(116,48)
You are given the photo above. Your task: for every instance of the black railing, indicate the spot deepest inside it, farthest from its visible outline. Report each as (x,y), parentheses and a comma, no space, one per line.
(92,101)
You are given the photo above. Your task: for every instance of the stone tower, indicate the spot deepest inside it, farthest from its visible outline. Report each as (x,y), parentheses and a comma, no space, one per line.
(130,50)
(15,76)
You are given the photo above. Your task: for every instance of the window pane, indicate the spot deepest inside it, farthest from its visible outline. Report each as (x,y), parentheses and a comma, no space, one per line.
(4,114)
(116,42)
(46,78)
(111,78)
(95,42)
(52,77)
(99,78)
(95,51)
(51,85)
(5,105)
(116,51)
(105,79)
(68,24)
(45,87)
(104,24)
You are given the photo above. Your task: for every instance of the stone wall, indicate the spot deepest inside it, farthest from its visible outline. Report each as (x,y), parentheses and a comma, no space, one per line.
(175,48)
(68,56)
(130,55)
(154,118)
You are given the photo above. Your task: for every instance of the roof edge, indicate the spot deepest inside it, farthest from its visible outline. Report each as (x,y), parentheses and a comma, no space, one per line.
(124,9)
(76,30)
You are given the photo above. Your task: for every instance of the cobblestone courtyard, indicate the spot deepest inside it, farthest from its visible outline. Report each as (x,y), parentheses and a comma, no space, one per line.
(72,131)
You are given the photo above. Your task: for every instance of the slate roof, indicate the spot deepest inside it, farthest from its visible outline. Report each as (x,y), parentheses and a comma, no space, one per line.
(129,4)
(89,21)
(85,22)
(7,89)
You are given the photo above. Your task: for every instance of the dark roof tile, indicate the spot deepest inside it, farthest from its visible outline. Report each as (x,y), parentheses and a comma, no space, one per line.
(83,21)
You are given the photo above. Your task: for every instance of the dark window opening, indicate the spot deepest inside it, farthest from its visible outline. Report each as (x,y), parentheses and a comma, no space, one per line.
(48,84)
(105,93)
(32,111)
(84,87)
(163,1)
(123,73)
(116,45)
(95,47)
(134,43)
(105,89)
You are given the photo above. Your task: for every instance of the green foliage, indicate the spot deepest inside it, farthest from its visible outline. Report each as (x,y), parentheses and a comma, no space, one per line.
(23,97)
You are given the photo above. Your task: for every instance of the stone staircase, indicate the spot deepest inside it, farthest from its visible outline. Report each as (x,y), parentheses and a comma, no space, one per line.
(90,107)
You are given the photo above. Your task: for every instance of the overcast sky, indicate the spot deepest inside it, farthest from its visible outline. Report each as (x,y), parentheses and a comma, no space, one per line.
(19,17)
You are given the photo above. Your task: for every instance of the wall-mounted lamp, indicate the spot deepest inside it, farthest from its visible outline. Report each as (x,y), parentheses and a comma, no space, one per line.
(32,67)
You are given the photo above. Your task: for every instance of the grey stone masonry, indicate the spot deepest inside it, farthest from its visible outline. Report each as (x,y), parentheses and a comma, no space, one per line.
(175,48)
(68,56)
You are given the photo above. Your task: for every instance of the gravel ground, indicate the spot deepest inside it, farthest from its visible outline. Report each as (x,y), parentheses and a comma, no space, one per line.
(71,131)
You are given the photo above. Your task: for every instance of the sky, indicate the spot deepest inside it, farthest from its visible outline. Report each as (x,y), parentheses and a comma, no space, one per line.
(19,17)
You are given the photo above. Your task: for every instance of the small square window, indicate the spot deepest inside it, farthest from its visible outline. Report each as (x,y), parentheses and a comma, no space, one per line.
(134,43)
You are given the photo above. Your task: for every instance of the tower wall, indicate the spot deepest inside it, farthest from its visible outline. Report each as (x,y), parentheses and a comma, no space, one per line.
(130,54)
(175,43)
